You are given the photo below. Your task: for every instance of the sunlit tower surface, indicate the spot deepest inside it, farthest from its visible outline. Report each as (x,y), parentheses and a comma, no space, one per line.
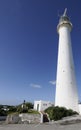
(66,89)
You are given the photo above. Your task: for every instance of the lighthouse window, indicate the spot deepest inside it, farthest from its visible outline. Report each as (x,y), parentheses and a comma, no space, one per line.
(44,104)
(71,67)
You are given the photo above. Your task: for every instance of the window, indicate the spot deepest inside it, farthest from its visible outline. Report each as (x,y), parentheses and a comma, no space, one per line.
(44,104)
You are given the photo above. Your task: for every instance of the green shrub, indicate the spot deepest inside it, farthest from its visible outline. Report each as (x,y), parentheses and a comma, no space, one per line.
(57,113)
(3,113)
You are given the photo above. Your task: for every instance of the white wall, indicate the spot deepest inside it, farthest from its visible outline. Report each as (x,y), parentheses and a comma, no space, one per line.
(41,105)
(80,109)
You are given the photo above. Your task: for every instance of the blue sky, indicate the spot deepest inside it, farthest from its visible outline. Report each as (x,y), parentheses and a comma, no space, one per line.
(29,47)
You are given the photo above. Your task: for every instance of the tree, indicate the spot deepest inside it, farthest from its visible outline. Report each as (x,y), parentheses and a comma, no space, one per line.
(24,107)
(12,109)
(3,113)
(29,105)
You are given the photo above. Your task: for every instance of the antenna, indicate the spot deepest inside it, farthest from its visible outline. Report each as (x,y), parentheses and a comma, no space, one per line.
(65,12)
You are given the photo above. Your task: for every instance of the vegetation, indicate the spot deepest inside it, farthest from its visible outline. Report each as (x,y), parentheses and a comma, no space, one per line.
(31,111)
(25,107)
(3,113)
(57,113)
(11,109)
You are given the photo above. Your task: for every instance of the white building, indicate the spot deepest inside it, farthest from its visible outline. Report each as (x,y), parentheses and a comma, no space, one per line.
(79,108)
(42,105)
(66,88)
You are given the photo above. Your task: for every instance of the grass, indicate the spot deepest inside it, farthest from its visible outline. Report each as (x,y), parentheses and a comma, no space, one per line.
(33,112)
(30,111)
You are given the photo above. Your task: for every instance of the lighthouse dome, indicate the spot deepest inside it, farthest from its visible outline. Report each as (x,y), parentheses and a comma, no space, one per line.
(64,21)
(64,18)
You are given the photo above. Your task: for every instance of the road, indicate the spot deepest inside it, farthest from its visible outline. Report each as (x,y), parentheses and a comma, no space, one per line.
(41,127)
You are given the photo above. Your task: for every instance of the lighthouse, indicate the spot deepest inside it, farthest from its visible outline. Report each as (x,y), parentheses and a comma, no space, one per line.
(66,88)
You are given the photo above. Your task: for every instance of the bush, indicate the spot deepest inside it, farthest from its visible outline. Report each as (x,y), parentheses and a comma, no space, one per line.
(27,106)
(57,113)
(3,113)
(12,109)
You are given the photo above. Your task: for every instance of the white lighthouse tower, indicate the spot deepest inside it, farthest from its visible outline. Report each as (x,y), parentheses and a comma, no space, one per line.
(66,90)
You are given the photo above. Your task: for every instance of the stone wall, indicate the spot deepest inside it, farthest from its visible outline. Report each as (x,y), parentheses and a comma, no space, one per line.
(13,119)
(30,118)
(23,118)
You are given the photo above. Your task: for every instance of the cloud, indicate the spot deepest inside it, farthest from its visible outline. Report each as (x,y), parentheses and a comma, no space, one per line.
(35,86)
(52,82)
